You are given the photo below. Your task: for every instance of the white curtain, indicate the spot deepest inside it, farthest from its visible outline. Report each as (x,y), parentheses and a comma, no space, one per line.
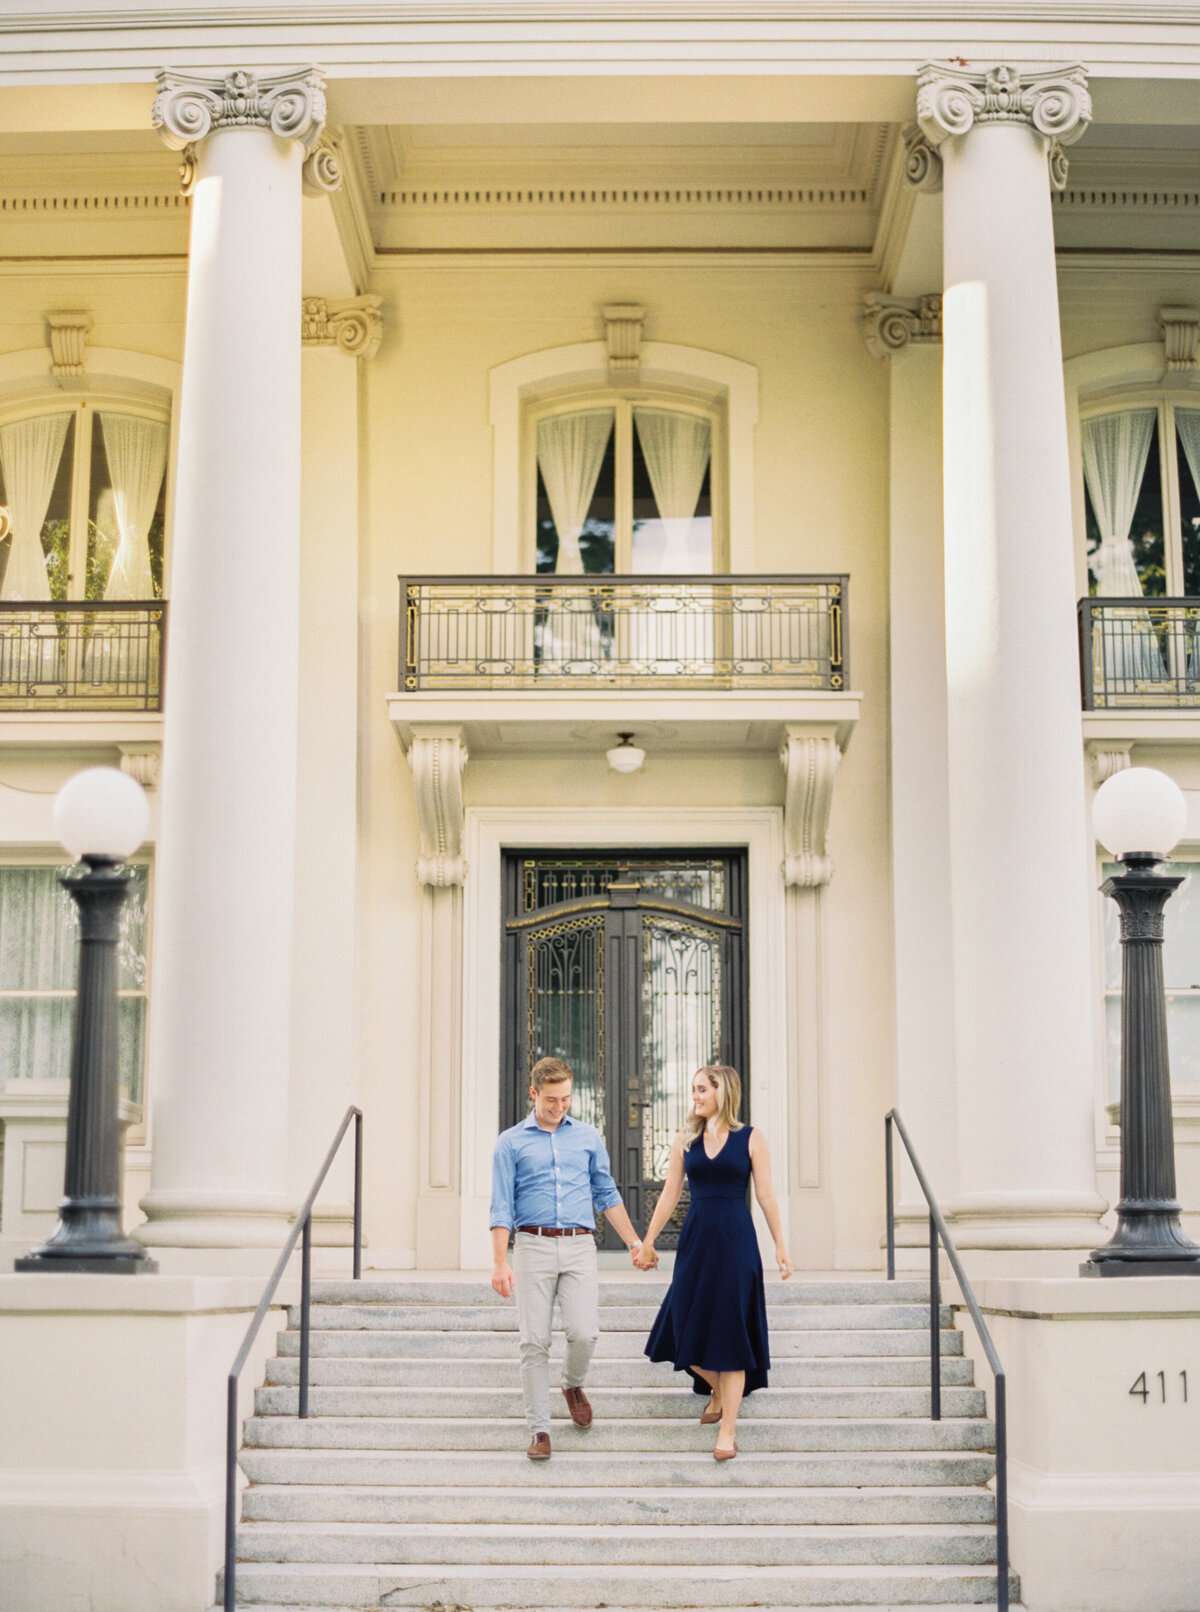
(570,451)
(30,451)
(1115,448)
(137,461)
(676,449)
(1187,423)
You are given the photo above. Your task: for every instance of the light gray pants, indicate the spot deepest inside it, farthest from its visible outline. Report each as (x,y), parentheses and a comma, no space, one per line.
(546,1269)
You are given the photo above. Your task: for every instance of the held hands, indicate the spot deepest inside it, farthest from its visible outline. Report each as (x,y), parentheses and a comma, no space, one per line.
(782,1260)
(502,1279)
(644,1256)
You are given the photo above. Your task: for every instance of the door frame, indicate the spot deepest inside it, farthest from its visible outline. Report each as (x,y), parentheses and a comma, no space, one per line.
(491,830)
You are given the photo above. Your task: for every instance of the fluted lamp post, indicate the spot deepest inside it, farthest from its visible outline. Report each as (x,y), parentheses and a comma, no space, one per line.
(101,817)
(1139,814)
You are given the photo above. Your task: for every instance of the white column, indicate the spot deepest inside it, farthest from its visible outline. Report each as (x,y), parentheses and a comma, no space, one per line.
(1019,846)
(224,905)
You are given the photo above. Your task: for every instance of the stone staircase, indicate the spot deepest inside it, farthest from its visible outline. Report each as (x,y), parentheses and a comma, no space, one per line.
(408,1485)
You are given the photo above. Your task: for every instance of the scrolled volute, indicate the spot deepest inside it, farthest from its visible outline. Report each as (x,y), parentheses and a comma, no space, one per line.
(1052,101)
(922,163)
(322,173)
(189,106)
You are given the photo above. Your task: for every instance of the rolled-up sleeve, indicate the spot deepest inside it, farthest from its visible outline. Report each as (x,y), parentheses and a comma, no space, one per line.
(604,1188)
(504,1174)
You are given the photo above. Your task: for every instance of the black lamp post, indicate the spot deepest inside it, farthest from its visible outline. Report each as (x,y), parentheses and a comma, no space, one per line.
(1134,809)
(101,817)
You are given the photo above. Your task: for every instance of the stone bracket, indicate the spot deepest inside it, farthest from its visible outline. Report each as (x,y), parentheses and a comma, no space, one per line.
(623,338)
(810,763)
(889,324)
(1180,332)
(67,338)
(1108,756)
(438,758)
(352,324)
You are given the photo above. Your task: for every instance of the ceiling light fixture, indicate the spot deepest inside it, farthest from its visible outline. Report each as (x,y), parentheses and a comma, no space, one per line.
(625,757)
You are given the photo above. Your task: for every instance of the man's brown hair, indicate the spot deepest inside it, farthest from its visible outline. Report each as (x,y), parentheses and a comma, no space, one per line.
(548,1072)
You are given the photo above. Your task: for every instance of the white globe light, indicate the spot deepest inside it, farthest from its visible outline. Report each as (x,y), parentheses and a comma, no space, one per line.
(101,812)
(625,757)
(1139,810)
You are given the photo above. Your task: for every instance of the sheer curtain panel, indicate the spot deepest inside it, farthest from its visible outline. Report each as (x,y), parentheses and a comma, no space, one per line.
(570,451)
(676,449)
(137,462)
(1115,447)
(30,451)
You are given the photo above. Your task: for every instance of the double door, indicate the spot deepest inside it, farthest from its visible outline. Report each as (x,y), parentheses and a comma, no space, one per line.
(635,981)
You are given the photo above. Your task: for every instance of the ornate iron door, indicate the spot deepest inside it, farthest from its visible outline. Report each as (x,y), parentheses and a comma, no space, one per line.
(635,990)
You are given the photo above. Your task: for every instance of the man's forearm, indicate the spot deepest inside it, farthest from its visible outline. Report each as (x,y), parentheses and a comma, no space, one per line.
(618,1219)
(500,1236)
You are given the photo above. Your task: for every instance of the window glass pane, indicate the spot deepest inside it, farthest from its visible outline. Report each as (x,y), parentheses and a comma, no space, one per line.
(568,467)
(1181,975)
(1146,533)
(1187,444)
(672,529)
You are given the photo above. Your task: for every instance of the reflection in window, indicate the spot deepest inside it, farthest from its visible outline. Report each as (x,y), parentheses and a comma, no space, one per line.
(1181,975)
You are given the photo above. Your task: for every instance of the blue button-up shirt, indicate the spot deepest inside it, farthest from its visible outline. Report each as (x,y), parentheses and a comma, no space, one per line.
(551,1178)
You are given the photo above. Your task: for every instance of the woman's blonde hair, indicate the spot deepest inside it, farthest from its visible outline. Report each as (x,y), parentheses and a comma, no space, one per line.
(729,1100)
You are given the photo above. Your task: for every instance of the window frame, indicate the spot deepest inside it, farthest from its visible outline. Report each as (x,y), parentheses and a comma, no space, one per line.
(622,400)
(84,409)
(1164,400)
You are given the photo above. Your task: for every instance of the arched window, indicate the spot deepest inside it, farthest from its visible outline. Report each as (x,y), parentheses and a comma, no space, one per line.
(630,483)
(1141,469)
(83,490)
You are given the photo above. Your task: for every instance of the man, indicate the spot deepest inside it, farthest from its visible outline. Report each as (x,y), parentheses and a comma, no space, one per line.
(547,1174)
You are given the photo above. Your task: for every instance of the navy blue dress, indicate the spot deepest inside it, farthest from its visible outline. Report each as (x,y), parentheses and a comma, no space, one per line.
(715,1311)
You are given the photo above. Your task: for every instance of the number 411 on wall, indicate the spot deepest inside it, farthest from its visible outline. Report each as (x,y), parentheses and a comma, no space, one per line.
(1142,1390)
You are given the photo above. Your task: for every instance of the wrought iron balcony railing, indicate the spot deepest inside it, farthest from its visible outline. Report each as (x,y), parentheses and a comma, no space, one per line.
(627,632)
(82,655)
(1139,653)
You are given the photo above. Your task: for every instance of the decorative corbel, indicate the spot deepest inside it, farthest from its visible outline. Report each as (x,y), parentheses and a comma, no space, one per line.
(322,172)
(142,762)
(67,335)
(922,161)
(1108,756)
(810,763)
(889,324)
(438,758)
(623,337)
(352,324)
(1180,332)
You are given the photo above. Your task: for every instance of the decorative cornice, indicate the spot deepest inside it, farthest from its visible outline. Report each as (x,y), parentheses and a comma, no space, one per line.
(438,758)
(1180,332)
(889,324)
(810,763)
(922,161)
(1051,100)
(623,337)
(672,197)
(66,336)
(93,204)
(189,106)
(353,324)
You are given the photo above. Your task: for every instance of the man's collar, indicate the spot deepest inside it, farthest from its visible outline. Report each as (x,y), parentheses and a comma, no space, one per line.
(531,1121)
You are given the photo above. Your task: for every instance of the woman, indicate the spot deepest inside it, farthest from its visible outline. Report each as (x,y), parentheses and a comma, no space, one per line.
(713,1321)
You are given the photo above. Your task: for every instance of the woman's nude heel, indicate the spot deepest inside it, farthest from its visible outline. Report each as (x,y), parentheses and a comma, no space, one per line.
(725,1455)
(708,1416)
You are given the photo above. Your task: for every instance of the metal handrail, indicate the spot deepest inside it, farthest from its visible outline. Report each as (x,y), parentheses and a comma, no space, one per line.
(301,1229)
(937,1229)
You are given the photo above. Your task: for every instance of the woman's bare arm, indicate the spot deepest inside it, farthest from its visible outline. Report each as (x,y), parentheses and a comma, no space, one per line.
(764,1191)
(668,1197)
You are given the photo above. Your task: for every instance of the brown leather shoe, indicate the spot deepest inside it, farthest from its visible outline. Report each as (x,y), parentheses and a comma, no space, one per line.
(577,1404)
(539,1450)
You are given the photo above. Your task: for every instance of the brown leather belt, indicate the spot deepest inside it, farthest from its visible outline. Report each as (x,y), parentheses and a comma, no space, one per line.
(557,1231)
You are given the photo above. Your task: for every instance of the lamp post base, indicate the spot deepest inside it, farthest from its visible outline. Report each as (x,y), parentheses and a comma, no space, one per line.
(1185,1266)
(122,1264)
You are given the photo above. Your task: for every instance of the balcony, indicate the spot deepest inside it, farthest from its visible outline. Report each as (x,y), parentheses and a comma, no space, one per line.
(1140,654)
(560,662)
(82,655)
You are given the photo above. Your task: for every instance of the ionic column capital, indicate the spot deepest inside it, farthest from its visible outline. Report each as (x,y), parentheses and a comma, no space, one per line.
(1051,100)
(190,106)
(352,324)
(889,324)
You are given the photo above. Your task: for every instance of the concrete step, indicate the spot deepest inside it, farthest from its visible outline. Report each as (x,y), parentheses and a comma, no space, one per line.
(501,1316)
(765,1506)
(573,1467)
(820,1343)
(681,1585)
(636,1372)
(626,1290)
(264,1606)
(635,1437)
(587,1544)
(668,1402)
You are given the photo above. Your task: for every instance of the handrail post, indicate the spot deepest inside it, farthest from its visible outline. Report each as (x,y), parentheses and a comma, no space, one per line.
(231,1442)
(358,1164)
(1001,1493)
(891,1199)
(305,1305)
(935,1318)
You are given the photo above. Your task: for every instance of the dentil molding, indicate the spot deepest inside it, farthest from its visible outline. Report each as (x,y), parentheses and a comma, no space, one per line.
(889,324)
(189,106)
(438,759)
(1053,101)
(810,763)
(66,336)
(352,324)
(1181,332)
